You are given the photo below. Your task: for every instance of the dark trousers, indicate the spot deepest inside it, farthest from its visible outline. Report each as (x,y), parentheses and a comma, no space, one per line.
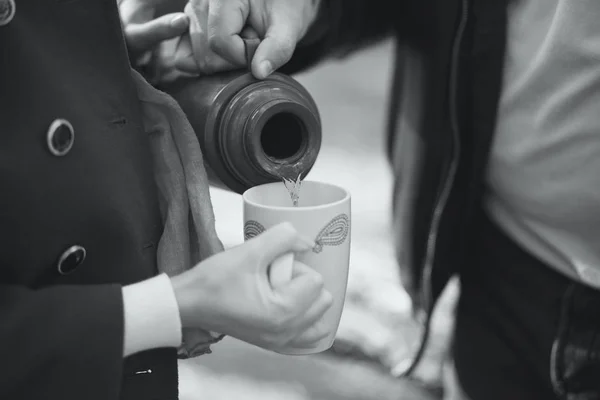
(523,330)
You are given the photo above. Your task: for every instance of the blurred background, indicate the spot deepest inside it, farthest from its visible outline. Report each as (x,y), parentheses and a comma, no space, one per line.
(376,335)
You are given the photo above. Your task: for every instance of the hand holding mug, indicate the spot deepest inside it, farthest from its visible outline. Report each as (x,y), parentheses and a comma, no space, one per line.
(231,293)
(323,213)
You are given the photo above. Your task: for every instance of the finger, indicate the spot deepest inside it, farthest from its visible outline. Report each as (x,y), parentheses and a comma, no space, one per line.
(161,64)
(226,20)
(302,291)
(310,337)
(249,33)
(145,36)
(194,55)
(316,311)
(276,48)
(188,60)
(280,239)
(314,326)
(299,269)
(197,12)
(135,12)
(184,56)
(321,306)
(280,271)
(165,52)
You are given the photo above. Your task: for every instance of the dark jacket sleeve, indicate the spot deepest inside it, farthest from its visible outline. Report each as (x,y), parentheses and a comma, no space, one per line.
(63,342)
(345,26)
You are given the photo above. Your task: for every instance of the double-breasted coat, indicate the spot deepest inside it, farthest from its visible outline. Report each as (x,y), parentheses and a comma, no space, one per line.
(79,213)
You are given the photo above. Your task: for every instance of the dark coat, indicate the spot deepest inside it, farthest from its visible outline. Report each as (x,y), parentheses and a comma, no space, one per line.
(79,216)
(442,114)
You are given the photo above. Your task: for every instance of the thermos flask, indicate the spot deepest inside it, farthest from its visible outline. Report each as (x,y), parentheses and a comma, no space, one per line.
(251,131)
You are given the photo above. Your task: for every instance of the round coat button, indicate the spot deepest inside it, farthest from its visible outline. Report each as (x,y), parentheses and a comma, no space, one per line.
(70,259)
(60,137)
(7,11)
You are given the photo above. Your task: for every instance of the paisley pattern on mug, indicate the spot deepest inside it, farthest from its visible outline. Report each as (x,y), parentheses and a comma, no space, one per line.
(333,234)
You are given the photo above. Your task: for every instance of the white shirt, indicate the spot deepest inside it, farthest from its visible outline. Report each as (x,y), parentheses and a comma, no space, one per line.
(544,174)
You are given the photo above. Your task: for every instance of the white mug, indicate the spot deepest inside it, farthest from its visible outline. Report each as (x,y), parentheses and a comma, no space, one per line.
(323,214)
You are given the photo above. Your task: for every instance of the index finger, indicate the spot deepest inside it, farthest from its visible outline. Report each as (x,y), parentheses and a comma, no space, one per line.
(143,37)
(226,20)
(135,12)
(280,239)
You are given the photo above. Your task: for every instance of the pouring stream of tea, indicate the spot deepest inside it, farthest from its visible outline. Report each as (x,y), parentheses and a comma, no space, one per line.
(293,187)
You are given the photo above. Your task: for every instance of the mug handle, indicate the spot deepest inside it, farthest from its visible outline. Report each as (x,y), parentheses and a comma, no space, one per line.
(280,270)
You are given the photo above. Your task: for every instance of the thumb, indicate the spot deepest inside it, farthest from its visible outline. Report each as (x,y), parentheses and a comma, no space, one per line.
(275,50)
(145,36)
(281,239)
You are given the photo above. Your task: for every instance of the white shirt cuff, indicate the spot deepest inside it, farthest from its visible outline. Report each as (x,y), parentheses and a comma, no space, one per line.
(151,315)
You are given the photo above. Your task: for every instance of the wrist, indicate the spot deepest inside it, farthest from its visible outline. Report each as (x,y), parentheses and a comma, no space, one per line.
(151,317)
(195,297)
(182,296)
